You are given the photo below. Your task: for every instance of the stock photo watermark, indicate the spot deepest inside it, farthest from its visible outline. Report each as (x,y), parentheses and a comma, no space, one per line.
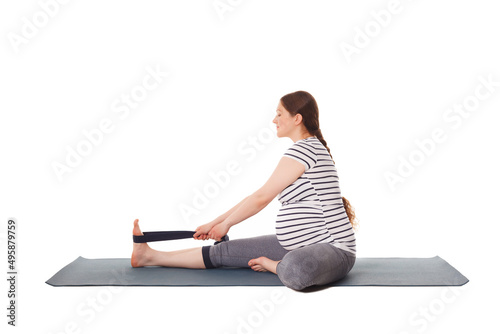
(380,20)
(222,7)
(32,25)
(88,310)
(12,241)
(262,310)
(421,319)
(454,117)
(247,150)
(121,106)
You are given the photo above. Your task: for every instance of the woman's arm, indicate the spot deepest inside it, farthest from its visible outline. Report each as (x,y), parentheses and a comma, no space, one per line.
(202,231)
(287,171)
(221,218)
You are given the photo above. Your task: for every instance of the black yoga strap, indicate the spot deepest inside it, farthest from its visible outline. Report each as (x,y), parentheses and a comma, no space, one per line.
(168,235)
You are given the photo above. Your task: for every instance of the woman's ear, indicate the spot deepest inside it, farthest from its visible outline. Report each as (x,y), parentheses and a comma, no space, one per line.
(298,119)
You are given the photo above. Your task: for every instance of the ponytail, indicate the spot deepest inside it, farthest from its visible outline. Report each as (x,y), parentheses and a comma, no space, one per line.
(350,213)
(319,135)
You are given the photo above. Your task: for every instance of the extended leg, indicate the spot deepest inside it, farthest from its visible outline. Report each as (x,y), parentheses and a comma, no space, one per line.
(239,252)
(143,255)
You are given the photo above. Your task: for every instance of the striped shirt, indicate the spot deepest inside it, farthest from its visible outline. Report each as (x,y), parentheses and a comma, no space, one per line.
(312,210)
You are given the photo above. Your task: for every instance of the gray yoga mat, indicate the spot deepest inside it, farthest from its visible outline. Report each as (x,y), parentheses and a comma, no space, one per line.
(366,272)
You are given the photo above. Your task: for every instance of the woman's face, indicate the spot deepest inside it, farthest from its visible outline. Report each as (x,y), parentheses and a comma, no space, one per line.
(284,121)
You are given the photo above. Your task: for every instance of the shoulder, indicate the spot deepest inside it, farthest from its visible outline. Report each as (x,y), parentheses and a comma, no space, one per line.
(304,151)
(305,145)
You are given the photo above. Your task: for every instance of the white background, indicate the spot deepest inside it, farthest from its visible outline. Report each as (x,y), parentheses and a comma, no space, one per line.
(226,74)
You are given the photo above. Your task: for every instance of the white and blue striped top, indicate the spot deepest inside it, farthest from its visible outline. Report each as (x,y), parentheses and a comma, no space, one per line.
(312,210)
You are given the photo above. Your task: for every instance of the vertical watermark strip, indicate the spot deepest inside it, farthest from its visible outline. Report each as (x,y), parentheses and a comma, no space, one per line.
(12,276)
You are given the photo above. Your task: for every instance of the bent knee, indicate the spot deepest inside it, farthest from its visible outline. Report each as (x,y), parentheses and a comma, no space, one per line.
(312,265)
(294,275)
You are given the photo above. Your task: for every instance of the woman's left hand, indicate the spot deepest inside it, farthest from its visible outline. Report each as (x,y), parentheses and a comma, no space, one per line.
(218,231)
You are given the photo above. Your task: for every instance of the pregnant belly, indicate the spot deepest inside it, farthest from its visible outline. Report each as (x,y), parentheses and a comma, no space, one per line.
(301,223)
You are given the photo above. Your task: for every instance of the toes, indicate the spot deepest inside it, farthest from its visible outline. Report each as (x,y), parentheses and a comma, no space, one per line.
(253,262)
(137,229)
(258,268)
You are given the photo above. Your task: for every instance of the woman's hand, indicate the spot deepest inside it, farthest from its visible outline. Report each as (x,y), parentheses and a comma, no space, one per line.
(218,231)
(202,231)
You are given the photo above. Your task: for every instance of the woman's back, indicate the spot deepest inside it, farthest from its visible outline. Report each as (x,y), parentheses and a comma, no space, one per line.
(312,208)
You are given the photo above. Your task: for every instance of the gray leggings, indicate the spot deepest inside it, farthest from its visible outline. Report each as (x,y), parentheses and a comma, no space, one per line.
(298,269)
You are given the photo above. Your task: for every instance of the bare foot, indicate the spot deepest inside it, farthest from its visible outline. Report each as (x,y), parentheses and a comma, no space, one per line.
(141,253)
(263,264)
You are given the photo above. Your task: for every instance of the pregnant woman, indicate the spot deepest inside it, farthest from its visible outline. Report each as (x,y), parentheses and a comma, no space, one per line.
(314,242)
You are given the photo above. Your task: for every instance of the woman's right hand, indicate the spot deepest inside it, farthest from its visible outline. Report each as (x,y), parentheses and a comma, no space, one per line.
(202,231)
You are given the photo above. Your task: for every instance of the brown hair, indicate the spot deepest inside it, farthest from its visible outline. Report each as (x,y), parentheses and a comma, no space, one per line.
(301,102)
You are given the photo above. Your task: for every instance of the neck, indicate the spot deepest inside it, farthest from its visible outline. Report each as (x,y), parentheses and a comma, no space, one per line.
(300,136)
